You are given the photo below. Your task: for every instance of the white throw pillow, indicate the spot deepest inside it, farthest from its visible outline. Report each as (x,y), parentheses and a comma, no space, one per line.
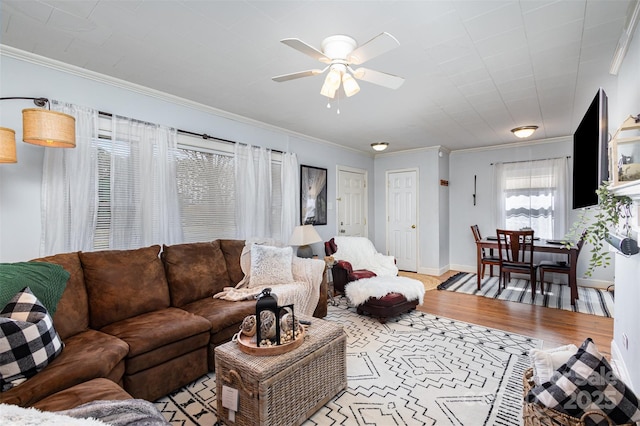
(270,265)
(546,361)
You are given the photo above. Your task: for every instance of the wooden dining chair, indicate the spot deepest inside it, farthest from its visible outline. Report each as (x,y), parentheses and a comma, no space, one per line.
(516,256)
(486,258)
(559,267)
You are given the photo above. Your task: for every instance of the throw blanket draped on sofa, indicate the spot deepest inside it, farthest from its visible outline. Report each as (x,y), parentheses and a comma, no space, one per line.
(362,254)
(303,293)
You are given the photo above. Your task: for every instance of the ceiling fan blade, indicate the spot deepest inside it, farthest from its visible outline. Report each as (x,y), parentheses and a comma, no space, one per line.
(378,45)
(380,78)
(293,76)
(307,49)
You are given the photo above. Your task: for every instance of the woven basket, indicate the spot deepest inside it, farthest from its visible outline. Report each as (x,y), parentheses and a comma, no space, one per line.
(537,415)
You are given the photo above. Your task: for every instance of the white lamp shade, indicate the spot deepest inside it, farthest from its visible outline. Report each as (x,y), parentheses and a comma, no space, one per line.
(327,91)
(303,235)
(350,85)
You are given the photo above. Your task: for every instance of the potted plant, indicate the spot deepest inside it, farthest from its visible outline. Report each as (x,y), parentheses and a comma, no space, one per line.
(611,212)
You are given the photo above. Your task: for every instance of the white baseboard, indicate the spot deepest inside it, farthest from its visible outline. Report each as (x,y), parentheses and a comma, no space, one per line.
(433,271)
(464,268)
(619,367)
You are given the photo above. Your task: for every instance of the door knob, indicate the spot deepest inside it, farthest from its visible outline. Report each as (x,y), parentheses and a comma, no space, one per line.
(413,227)
(342,231)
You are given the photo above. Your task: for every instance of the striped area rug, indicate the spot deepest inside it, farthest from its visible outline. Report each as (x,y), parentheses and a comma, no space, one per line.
(590,300)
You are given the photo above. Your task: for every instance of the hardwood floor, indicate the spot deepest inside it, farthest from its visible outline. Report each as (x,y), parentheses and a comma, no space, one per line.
(554,326)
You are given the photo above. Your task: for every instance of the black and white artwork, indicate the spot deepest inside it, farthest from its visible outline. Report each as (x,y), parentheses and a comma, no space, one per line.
(313,195)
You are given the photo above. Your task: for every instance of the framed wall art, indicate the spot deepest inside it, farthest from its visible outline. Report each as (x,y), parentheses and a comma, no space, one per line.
(313,195)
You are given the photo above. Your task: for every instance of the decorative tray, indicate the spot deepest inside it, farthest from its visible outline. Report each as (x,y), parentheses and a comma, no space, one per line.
(247,346)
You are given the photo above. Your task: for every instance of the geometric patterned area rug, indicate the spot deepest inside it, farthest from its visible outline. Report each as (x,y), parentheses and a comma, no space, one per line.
(417,369)
(590,300)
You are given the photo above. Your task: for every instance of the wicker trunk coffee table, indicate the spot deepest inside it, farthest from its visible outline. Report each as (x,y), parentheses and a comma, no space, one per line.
(283,389)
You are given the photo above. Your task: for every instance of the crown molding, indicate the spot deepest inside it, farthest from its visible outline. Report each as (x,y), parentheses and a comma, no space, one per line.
(12,52)
(514,144)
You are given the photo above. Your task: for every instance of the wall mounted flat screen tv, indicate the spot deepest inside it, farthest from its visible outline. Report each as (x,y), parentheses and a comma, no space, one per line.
(590,156)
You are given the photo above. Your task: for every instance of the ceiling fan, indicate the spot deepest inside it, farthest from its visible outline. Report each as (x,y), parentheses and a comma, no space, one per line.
(340,52)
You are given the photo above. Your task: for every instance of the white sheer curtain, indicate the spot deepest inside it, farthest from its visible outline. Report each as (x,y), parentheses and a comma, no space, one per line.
(253,191)
(144,197)
(290,190)
(533,194)
(69,187)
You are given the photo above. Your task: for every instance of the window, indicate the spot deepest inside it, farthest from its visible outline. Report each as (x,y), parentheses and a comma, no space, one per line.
(154,186)
(533,194)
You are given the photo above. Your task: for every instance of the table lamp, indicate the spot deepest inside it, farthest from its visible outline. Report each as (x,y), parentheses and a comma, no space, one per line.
(302,236)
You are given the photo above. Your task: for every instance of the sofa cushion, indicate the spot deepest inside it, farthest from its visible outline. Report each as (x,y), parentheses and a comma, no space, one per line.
(222,313)
(28,340)
(93,390)
(153,331)
(124,283)
(46,281)
(232,250)
(87,355)
(72,314)
(194,271)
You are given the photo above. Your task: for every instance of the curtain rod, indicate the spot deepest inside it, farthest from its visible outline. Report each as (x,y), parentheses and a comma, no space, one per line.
(200,135)
(207,137)
(539,159)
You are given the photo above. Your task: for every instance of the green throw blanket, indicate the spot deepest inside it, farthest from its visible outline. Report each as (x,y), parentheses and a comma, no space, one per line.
(47,281)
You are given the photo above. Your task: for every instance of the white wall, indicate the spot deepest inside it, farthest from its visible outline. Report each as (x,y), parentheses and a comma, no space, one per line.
(627,290)
(432,222)
(32,76)
(466,164)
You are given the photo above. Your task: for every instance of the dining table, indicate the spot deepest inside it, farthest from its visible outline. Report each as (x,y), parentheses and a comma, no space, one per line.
(539,246)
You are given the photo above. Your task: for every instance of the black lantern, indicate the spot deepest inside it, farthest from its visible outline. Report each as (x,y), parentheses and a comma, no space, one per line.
(268,318)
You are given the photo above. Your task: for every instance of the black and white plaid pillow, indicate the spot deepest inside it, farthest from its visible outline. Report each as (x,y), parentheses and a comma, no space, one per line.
(587,382)
(28,341)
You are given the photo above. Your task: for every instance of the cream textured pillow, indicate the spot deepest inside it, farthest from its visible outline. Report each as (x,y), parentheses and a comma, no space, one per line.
(270,265)
(546,361)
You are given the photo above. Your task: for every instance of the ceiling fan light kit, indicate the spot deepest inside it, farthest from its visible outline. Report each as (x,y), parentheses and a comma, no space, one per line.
(379,146)
(340,52)
(524,131)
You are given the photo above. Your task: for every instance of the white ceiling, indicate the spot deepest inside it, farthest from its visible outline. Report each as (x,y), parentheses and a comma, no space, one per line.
(473,69)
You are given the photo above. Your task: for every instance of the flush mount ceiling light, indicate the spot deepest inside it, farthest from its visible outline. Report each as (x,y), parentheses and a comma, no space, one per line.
(524,131)
(380,146)
(339,52)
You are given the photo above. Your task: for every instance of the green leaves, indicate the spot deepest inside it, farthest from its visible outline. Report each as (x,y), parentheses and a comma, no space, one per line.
(611,211)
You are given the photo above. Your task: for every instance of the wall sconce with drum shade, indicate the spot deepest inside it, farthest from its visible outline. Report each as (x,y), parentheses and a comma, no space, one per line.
(524,131)
(380,146)
(39,127)
(302,236)
(7,146)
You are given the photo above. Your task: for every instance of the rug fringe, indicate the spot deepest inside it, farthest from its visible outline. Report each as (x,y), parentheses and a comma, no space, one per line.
(451,281)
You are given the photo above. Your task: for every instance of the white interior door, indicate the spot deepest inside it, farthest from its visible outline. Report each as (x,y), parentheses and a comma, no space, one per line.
(402,225)
(352,202)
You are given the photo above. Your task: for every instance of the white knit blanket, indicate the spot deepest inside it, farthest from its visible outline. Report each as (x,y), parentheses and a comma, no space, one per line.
(303,293)
(362,254)
(360,291)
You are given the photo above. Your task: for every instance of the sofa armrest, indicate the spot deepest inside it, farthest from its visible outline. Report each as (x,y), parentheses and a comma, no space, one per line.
(343,264)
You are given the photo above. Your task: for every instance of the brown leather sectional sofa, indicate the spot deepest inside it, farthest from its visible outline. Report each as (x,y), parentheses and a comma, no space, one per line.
(143,319)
